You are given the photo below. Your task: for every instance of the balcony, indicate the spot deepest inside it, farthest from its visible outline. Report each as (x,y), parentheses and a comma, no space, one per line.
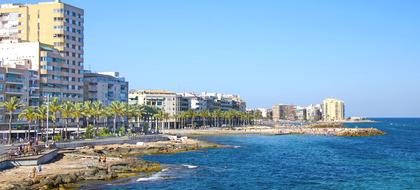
(14,80)
(14,91)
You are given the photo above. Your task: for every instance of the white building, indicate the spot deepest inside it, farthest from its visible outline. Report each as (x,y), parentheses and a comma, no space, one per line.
(161,99)
(12,53)
(314,112)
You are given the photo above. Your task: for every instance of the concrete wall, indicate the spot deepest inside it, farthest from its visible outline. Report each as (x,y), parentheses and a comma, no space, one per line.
(33,161)
(133,140)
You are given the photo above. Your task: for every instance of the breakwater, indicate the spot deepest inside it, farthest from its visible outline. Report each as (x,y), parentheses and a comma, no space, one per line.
(333,131)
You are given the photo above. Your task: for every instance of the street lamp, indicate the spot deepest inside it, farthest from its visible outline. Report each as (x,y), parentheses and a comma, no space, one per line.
(48,115)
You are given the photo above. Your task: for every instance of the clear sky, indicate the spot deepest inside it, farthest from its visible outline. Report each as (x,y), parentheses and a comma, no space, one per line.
(365,52)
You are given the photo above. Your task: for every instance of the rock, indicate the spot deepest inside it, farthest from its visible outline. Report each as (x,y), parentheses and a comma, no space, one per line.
(47,183)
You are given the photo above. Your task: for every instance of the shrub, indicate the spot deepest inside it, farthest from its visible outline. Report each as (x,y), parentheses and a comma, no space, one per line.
(90,132)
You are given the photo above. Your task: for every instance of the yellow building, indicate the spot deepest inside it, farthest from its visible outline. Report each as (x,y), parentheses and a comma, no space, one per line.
(333,110)
(53,23)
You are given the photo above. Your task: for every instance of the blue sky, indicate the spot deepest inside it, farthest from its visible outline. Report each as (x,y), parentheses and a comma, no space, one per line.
(365,52)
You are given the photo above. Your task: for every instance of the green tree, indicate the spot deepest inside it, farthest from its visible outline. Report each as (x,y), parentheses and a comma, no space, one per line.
(96,110)
(88,111)
(67,113)
(77,114)
(29,114)
(54,108)
(116,108)
(205,114)
(191,114)
(41,115)
(11,106)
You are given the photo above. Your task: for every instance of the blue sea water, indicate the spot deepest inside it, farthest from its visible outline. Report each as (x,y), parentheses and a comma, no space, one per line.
(295,162)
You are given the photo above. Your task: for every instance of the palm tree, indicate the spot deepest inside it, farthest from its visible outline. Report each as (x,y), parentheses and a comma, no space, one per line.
(138,112)
(105,114)
(54,108)
(78,113)
(159,116)
(30,115)
(126,112)
(66,113)
(116,108)
(41,115)
(11,106)
(192,115)
(88,111)
(205,115)
(96,110)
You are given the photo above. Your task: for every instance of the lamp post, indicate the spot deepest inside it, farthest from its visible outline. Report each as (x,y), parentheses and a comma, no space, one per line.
(48,115)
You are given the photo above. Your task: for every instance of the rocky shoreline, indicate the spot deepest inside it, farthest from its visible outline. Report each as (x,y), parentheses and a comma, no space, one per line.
(82,164)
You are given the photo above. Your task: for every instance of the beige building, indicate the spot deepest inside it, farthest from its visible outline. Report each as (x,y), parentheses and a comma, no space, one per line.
(105,87)
(162,99)
(54,23)
(333,110)
(276,113)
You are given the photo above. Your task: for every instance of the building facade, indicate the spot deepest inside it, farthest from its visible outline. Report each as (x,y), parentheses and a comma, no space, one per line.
(313,112)
(275,110)
(19,82)
(333,110)
(301,113)
(105,87)
(57,78)
(161,99)
(59,25)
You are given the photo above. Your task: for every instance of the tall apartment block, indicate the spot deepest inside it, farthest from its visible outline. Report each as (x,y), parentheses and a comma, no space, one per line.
(105,87)
(333,110)
(58,25)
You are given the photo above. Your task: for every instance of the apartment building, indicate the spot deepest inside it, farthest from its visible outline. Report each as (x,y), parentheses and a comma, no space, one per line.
(57,78)
(284,112)
(301,113)
(161,99)
(59,25)
(314,112)
(105,87)
(20,82)
(333,110)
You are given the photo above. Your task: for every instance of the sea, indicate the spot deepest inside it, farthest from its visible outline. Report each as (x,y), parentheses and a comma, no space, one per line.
(391,161)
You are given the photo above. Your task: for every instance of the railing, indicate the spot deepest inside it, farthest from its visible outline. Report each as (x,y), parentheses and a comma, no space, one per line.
(14,80)
(14,90)
(4,157)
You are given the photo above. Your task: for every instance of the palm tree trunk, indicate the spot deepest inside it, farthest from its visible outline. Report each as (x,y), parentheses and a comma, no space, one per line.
(115,124)
(78,127)
(10,127)
(66,123)
(96,127)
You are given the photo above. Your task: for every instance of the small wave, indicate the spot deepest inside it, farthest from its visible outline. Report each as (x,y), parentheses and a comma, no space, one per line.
(190,166)
(154,177)
(236,146)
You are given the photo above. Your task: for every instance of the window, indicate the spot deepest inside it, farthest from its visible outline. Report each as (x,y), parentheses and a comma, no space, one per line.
(58,19)
(59,27)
